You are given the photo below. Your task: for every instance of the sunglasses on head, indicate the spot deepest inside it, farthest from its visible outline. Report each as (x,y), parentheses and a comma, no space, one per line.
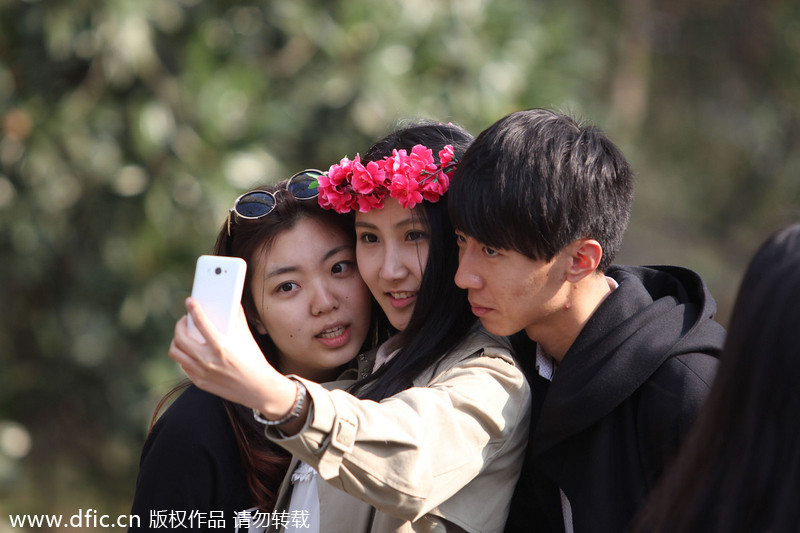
(256,204)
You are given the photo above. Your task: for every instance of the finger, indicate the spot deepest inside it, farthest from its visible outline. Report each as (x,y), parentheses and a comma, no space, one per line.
(203,324)
(185,340)
(187,363)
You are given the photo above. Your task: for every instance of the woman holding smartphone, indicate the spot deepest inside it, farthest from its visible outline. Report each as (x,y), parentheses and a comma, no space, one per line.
(432,439)
(307,309)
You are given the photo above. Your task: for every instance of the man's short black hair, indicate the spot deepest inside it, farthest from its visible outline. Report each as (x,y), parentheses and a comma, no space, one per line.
(537,180)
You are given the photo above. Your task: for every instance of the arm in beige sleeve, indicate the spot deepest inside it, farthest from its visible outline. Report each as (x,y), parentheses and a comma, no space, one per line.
(410,452)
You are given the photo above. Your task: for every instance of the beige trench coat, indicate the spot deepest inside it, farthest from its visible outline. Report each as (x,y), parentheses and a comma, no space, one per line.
(444,455)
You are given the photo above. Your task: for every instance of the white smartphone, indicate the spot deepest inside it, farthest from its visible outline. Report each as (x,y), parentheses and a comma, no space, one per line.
(218,284)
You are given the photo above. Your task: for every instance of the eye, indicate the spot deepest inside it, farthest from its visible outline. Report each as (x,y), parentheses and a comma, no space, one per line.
(415,235)
(460,239)
(490,251)
(289,286)
(342,267)
(368,238)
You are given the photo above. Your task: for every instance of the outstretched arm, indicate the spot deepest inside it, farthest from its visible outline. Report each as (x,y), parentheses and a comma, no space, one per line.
(233,367)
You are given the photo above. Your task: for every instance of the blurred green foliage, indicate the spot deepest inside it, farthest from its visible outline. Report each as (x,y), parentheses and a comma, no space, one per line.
(128,127)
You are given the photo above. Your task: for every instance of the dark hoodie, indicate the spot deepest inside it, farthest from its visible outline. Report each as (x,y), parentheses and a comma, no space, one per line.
(620,402)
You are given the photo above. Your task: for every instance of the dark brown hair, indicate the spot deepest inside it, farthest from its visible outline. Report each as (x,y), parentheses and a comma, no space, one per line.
(265,463)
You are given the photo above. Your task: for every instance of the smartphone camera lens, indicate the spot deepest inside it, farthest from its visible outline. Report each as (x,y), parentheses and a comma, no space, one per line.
(218,270)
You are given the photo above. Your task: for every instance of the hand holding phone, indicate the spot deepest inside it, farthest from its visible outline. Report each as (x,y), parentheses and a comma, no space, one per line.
(218,284)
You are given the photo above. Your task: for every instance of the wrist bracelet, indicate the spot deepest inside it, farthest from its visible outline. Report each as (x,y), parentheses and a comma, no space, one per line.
(294,412)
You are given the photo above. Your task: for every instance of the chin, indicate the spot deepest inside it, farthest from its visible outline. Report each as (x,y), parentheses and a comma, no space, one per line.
(400,323)
(500,330)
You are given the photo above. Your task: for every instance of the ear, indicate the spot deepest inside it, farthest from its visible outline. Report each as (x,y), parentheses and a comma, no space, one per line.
(585,258)
(256,322)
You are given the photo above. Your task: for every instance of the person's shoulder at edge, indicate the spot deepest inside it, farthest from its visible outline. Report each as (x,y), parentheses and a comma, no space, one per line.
(192,404)
(479,342)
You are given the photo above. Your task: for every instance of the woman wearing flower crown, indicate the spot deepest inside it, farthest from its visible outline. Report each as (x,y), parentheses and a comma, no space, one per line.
(432,437)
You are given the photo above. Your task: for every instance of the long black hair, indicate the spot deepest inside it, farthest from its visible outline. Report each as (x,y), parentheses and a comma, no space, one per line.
(739,469)
(442,315)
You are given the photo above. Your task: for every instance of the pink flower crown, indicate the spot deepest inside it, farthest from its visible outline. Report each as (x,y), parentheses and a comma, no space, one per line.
(409,178)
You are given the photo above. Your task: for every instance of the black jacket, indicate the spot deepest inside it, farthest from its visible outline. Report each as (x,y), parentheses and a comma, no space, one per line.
(191,467)
(620,402)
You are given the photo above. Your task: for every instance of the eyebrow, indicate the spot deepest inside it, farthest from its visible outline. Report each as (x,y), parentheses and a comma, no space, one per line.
(295,268)
(404,222)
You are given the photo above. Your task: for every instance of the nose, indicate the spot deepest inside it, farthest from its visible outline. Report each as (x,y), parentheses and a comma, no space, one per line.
(466,275)
(393,267)
(324,300)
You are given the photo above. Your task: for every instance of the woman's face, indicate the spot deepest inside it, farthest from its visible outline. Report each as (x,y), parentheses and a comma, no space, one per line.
(392,250)
(311,300)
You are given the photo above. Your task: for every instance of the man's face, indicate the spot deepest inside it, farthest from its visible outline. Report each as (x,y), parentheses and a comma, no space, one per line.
(509,291)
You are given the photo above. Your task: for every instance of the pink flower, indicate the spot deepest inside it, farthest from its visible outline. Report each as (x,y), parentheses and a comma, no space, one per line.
(408,177)
(422,159)
(405,190)
(365,179)
(417,165)
(368,202)
(446,155)
(341,202)
(337,174)
(436,186)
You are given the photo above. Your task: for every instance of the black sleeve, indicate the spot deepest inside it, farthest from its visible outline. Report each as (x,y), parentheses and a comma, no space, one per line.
(190,466)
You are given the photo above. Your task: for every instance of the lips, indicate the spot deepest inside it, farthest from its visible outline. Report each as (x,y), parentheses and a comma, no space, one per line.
(478,310)
(332,333)
(401,298)
(334,336)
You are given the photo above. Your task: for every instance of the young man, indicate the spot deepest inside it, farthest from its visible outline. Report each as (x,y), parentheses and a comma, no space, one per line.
(623,356)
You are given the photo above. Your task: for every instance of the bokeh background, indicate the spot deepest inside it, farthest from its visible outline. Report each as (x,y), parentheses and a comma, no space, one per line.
(130,126)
